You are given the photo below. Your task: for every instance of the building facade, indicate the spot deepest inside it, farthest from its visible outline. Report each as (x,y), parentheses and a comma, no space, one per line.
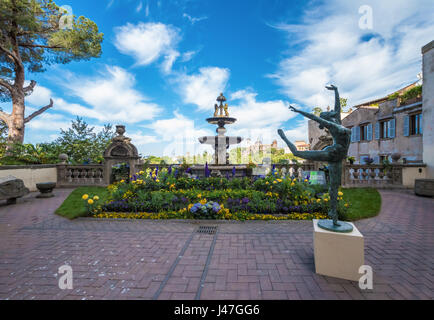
(391,125)
(428,107)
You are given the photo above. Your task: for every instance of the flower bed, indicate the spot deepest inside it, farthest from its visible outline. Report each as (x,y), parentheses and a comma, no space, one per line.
(165,194)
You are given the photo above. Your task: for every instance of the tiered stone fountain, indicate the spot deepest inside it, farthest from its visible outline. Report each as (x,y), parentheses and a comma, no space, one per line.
(220,142)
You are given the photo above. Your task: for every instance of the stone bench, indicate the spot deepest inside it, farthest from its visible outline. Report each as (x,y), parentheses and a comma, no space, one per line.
(424,187)
(12,188)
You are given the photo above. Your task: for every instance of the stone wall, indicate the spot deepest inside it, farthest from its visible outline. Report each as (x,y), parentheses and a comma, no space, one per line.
(31,175)
(428,107)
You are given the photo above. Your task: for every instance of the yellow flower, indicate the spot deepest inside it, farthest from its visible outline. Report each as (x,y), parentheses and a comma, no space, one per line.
(122,181)
(266,182)
(346,205)
(90,201)
(85,196)
(325,200)
(280,180)
(157,180)
(340,194)
(292,184)
(141,172)
(96,198)
(203,201)
(199,195)
(305,180)
(274,181)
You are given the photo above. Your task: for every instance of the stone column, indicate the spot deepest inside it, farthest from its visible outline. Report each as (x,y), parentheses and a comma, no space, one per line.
(428,107)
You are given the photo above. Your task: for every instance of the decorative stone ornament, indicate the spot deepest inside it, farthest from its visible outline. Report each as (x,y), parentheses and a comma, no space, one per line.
(120,150)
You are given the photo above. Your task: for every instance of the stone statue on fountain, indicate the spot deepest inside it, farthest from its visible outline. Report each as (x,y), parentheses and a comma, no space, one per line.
(333,154)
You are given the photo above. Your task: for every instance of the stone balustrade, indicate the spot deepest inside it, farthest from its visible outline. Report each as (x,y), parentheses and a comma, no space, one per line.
(80,175)
(357,175)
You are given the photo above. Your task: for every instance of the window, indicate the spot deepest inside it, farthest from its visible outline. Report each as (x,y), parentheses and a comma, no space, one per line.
(366,132)
(361,133)
(415,124)
(384,157)
(385,129)
(384,126)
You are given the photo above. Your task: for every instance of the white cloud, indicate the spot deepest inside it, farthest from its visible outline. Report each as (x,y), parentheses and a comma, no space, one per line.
(203,88)
(180,135)
(139,7)
(111,96)
(49,122)
(257,120)
(40,96)
(187,56)
(140,139)
(147,42)
(364,64)
(193,20)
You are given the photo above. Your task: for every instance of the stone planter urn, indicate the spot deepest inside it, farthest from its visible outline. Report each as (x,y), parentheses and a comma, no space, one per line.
(395,157)
(45,189)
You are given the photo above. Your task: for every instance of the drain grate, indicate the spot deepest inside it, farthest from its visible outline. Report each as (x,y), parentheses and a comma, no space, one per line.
(207,229)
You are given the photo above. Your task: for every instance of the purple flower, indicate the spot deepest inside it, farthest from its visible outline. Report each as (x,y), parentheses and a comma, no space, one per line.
(176,173)
(233,171)
(169,171)
(207,172)
(245,200)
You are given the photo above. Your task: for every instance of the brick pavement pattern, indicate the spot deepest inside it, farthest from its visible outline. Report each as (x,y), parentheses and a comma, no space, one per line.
(144,259)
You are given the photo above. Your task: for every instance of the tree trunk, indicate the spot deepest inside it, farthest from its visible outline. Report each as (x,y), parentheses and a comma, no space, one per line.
(16,122)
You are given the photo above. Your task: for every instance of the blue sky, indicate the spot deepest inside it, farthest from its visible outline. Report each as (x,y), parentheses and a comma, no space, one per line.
(165,62)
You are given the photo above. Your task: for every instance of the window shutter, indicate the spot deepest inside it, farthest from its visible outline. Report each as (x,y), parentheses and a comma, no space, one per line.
(377,159)
(352,134)
(369,135)
(391,132)
(357,134)
(377,130)
(406,126)
(420,124)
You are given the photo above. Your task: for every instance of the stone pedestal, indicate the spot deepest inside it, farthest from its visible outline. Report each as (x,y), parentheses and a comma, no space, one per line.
(338,255)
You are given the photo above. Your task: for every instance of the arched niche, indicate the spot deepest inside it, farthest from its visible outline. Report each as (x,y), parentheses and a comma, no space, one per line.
(120,150)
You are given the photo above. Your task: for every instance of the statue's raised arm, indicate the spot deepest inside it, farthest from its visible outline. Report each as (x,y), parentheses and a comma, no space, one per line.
(321,121)
(338,108)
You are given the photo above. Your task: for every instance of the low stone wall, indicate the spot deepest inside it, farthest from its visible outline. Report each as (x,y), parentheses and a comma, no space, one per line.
(410,174)
(32,174)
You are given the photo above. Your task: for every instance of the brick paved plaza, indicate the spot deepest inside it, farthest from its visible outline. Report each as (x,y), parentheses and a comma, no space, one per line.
(171,260)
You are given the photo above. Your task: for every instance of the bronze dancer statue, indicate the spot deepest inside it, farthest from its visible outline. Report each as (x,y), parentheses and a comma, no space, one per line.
(333,154)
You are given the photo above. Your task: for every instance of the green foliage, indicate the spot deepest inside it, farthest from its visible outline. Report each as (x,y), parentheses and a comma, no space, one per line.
(412,93)
(80,143)
(41,40)
(393,96)
(365,203)
(74,206)
(26,154)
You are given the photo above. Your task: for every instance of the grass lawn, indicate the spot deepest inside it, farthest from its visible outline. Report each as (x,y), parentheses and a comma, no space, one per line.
(365,203)
(73,206)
